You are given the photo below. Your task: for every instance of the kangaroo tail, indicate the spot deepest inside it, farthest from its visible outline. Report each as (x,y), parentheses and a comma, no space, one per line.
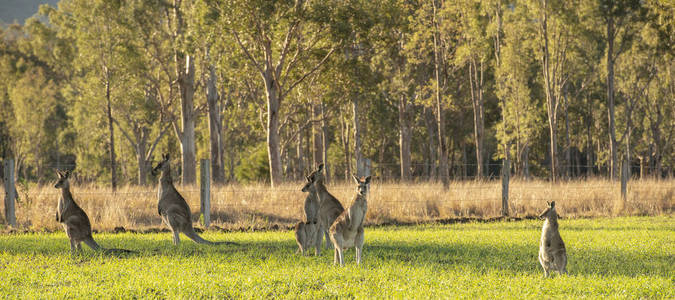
(92,244)
(198,239)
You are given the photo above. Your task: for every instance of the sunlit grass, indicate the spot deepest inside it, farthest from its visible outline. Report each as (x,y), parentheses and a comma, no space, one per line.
(626,257)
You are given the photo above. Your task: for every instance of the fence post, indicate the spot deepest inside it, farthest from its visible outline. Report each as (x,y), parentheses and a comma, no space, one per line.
(506,171)
(10,192)
(624,180)
(205,192)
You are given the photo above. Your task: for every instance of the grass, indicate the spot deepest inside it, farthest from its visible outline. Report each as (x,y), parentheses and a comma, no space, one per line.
(625,257)
(259,206)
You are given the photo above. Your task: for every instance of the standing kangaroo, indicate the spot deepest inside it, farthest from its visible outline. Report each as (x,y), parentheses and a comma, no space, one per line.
(171,206)
(347,231)
(311,203)
(329,207)
(552,253)
(75,221)
(305,231)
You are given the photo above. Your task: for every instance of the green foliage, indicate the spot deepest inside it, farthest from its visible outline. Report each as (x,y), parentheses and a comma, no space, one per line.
(607,258)
(54,77)
(254,167)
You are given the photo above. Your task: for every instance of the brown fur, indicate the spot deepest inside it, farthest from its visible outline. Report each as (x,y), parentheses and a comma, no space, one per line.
(73,218)
(347,230)
(552,253)
(329,208)
(173,208)
(305,235)
(311,206)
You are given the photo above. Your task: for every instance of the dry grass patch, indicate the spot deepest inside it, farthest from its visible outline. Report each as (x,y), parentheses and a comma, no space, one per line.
(257,206)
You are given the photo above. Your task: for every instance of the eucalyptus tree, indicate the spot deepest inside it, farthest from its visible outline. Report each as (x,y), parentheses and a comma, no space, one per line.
(553,42)
(97,27)
(399,86)
(473,51)
(285,41)
(614,22)
(515,76)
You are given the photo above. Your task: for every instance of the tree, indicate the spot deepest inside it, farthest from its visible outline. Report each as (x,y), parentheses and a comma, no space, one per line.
(618,16)
(257,27)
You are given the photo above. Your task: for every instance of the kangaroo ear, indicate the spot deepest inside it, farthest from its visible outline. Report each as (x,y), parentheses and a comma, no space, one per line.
(67,174)
(320,168)
(58,173)
(367,181)
(165,157)
(548,204)
(356,179)
(552,204)
(308,179)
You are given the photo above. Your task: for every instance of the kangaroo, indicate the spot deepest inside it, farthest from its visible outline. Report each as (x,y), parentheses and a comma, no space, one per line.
(305,235)
(552,253)
(329,208)
(173,208)
(305,232)
(311,203)
(347,231)
(75,221)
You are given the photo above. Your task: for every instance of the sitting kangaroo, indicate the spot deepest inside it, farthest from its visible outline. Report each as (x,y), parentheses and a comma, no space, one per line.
(305,235)
(552,253)
(347,231)
(173,209)
(75,220)
(329,207)
(305,232)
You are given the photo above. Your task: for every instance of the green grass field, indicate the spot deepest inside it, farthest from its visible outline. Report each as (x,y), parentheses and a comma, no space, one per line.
(608,258)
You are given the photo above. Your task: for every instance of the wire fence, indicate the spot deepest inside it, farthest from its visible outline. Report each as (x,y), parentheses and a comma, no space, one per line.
(418,200)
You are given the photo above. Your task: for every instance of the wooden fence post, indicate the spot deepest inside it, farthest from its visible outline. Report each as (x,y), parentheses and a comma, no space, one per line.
(624,180)
(506,171)
(10,192)
(205,192)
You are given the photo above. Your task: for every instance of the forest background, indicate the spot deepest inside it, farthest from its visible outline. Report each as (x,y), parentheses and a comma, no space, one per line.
(411,90)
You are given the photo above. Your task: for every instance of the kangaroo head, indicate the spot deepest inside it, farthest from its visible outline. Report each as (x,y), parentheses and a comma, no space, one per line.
(63,179)
(314,177)
(162,166)
(308,186)
(550,212)
(362,184)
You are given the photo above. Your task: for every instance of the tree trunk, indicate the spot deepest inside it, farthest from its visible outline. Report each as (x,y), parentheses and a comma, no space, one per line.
(273,142)
(440,120)
(526,161)
(589,139)
(187,138)
(404,138)
(324,138)
(476,82)
(613,175)
(185,77)
(299,156)
(430,122)
(142,164)
(568,154)
(113,159)
(215,128)
(551,102)
(345,144)
(317,135)
(357,139)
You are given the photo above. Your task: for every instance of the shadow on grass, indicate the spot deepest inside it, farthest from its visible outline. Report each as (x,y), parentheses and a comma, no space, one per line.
(508,257)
